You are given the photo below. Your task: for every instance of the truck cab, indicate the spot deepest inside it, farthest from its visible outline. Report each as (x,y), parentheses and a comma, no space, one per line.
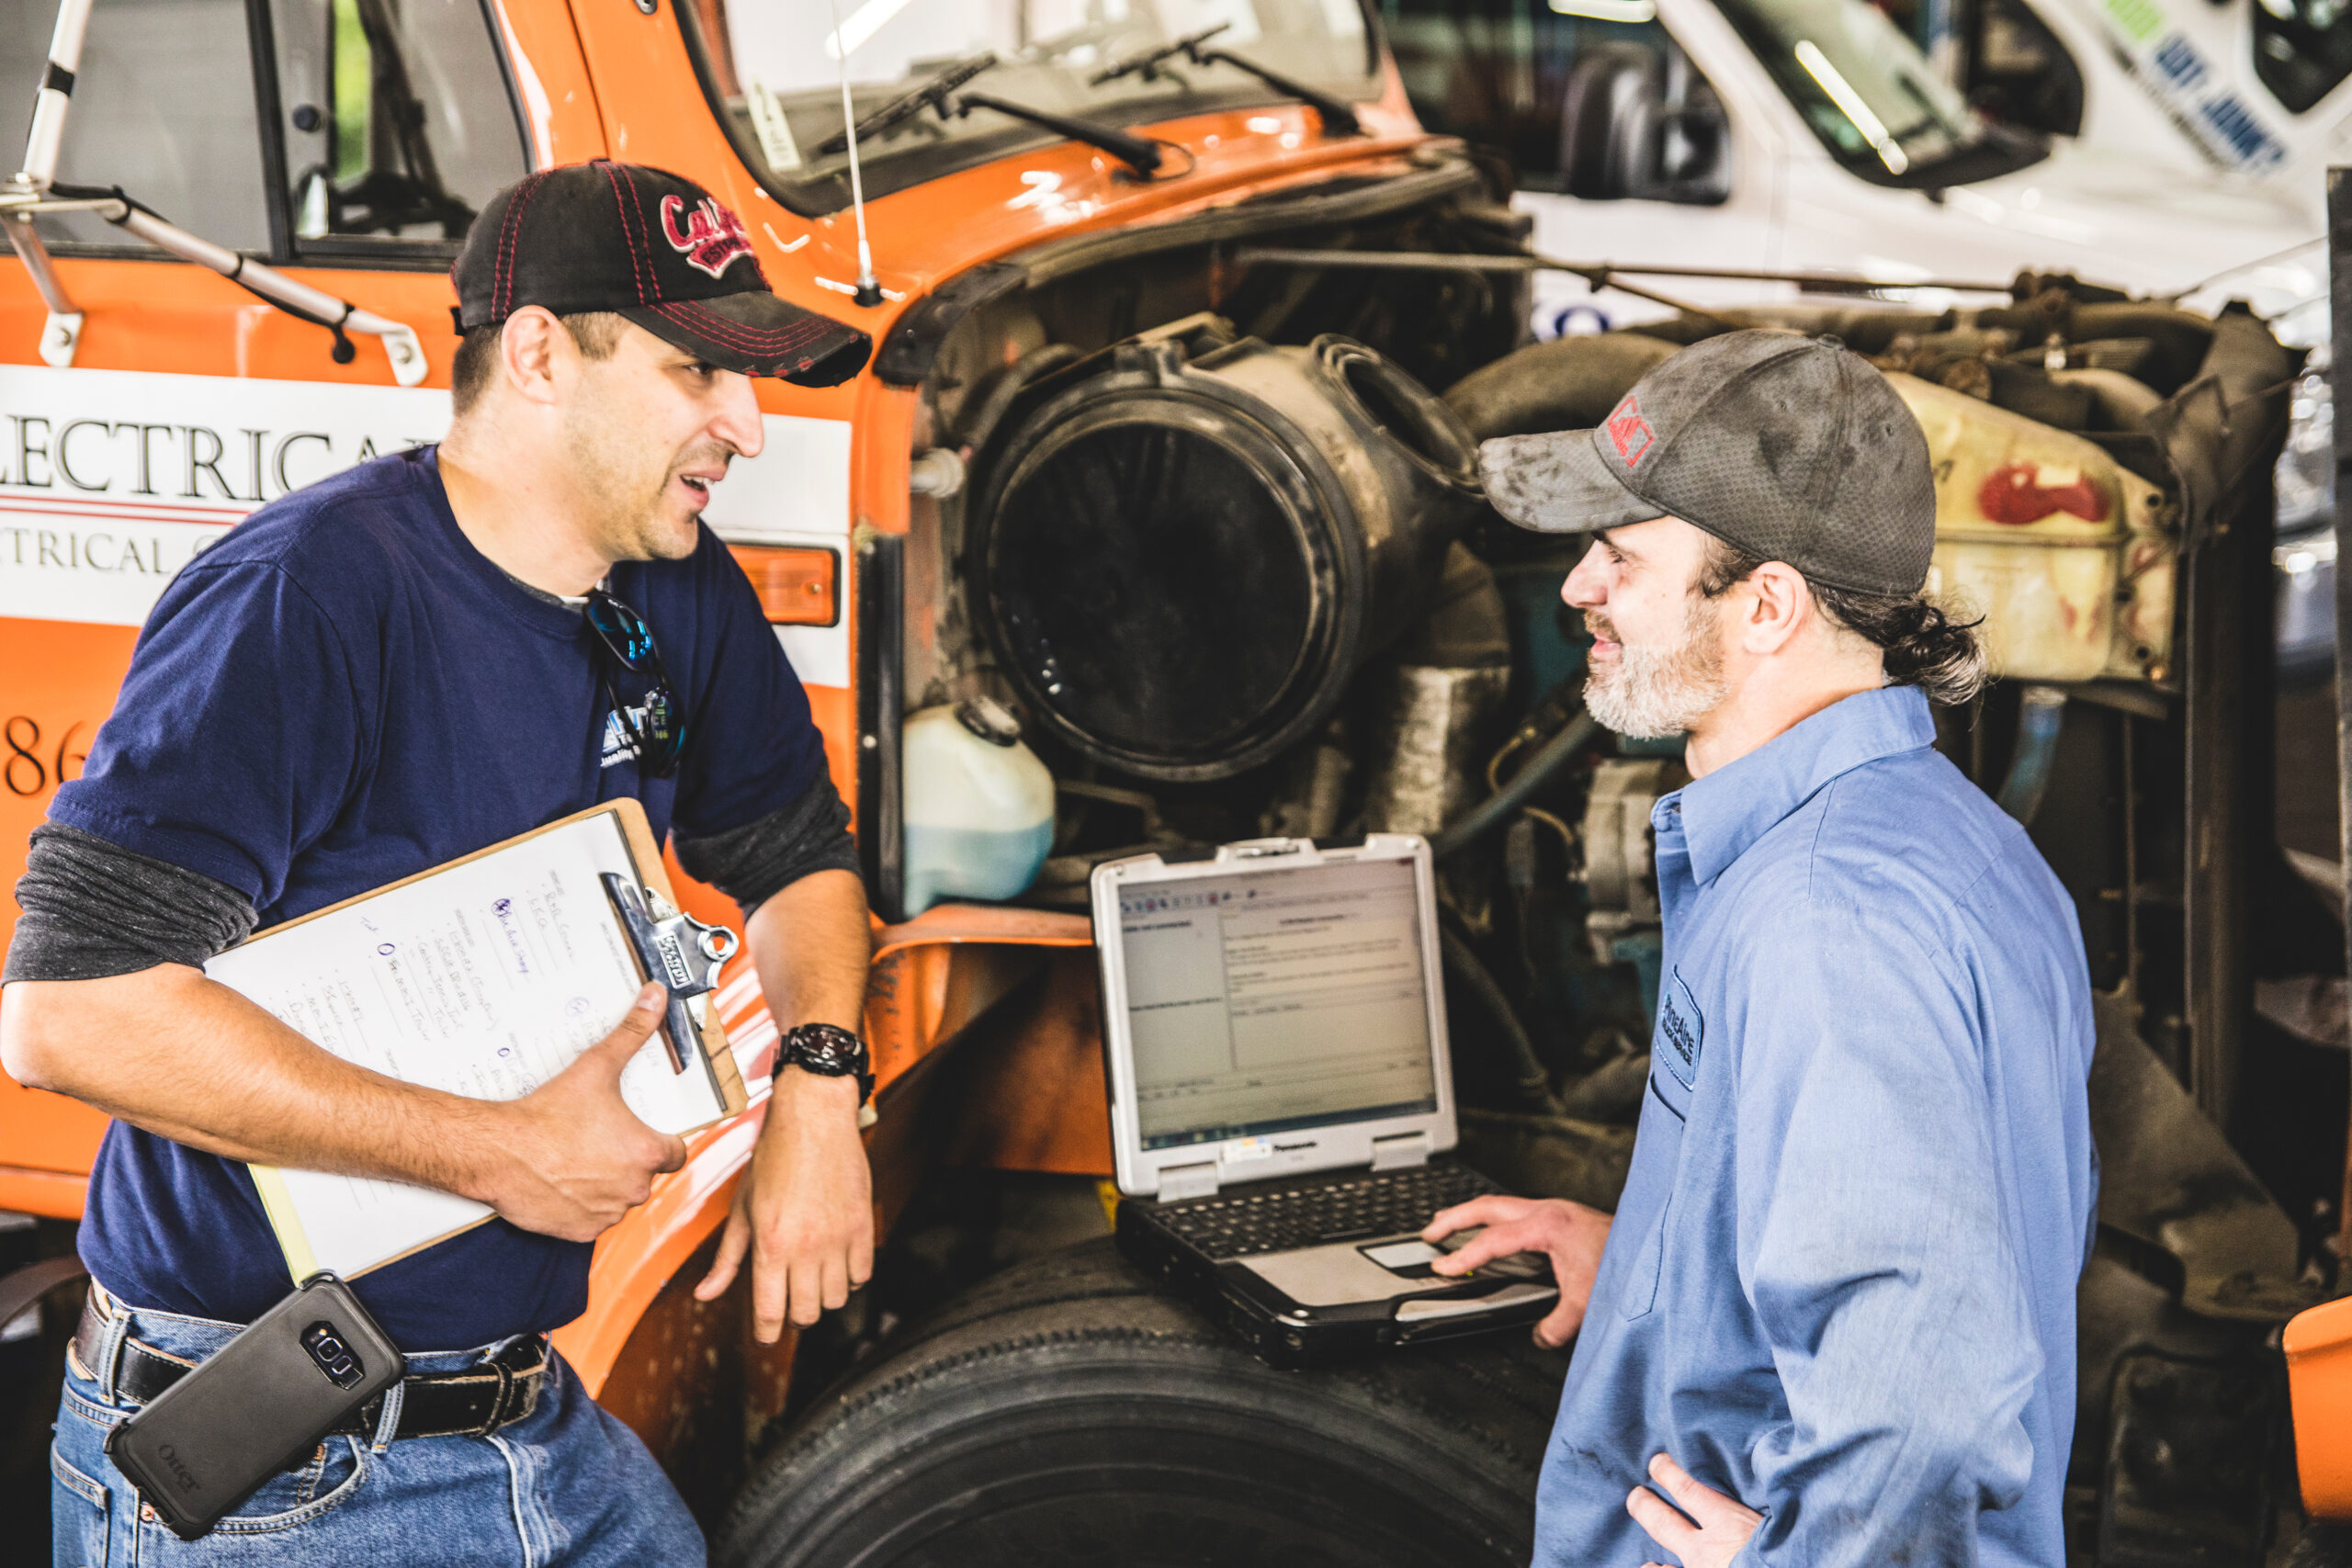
(1100,267)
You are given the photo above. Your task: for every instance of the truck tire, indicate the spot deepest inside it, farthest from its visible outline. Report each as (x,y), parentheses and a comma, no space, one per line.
(1065,1413)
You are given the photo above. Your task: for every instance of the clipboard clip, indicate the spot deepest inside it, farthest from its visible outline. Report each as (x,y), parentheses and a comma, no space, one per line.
(676,951)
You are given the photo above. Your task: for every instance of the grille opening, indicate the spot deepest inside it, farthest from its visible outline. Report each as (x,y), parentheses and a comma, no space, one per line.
(1154,584)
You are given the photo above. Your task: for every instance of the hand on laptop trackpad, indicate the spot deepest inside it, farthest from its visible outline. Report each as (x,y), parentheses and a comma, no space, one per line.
(1411,1259)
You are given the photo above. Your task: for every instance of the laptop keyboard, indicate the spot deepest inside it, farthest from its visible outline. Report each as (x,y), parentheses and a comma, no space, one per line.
(1391,1203)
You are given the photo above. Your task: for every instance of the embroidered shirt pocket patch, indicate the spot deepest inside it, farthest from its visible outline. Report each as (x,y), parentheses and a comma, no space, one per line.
(1681,1028)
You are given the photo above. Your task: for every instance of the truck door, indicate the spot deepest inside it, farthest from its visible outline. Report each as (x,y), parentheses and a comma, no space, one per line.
(351,139)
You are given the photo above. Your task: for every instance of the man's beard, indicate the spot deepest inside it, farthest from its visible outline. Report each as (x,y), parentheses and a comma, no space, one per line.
(1652,692)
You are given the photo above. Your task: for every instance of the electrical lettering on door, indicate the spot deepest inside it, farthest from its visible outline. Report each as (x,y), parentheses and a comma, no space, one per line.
(1288,999)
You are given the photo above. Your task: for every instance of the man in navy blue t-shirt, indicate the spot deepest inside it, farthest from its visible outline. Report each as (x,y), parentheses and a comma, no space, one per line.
(421,657)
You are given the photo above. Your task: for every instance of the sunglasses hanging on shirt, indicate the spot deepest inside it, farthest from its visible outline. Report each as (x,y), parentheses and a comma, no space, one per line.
(656,729)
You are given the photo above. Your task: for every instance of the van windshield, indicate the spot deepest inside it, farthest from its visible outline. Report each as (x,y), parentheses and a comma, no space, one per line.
(772,71)
(1872,97)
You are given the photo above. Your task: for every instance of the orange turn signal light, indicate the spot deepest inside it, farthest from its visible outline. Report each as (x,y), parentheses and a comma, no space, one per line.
(796,587)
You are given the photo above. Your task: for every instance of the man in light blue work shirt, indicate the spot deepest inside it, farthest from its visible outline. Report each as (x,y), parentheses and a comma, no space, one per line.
(1833,1319)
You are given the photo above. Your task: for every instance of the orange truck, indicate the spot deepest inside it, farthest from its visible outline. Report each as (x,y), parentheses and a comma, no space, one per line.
(1127,267)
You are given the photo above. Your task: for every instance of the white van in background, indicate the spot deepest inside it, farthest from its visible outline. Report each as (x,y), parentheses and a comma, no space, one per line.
(1815,136)
(1818,136)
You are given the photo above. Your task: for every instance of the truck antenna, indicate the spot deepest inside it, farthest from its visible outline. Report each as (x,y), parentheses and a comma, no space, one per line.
(869,290)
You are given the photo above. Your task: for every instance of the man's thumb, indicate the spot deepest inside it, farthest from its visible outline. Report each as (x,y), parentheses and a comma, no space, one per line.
(644,1016)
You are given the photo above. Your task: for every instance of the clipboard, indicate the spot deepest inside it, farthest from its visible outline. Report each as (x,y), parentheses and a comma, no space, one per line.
(486,976)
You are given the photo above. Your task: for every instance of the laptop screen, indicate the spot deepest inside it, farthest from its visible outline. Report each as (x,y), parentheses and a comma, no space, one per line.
(1267,1001)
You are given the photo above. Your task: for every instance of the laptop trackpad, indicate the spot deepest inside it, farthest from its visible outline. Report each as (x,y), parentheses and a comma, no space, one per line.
(1337,1274)
(1409,1257)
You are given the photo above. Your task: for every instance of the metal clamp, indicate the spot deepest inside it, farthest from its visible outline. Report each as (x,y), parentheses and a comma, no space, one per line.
(678,951)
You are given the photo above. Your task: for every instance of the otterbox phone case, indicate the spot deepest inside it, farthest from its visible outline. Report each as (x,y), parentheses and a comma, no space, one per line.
(209,1441)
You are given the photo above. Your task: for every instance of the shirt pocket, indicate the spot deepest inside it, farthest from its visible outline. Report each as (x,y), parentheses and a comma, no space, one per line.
(1657,1159)
(1640,1293)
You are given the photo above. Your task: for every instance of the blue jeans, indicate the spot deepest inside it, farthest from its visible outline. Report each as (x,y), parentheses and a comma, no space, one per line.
(567,1484)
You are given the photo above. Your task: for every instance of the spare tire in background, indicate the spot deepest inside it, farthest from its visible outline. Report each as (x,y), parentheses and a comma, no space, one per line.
(1064,1414)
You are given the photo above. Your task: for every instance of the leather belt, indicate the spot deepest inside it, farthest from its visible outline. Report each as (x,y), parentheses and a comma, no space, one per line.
(475,1403)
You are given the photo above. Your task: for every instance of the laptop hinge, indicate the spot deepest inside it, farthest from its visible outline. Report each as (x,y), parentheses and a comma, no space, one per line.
(1187,1180)
(1396,1153)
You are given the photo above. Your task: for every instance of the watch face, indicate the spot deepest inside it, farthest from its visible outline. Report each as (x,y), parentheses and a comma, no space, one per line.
(829,1051)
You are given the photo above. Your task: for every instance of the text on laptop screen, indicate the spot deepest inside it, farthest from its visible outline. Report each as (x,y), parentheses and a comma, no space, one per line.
(1275,1001)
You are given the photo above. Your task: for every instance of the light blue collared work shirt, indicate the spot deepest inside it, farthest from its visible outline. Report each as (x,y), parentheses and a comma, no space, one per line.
(1840,1285)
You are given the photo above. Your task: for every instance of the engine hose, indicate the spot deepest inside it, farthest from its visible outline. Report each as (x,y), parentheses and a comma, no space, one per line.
(2041,711)
(1496,809)
(1529,1082)
(1567,384)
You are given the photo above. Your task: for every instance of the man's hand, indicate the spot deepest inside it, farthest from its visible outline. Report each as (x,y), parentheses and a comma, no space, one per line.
(1723,1527)
(804,1210)
(1569,1233)
(569,1158)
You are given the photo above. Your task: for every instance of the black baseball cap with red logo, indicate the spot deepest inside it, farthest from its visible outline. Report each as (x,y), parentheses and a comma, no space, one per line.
(1790,448)
(657,249)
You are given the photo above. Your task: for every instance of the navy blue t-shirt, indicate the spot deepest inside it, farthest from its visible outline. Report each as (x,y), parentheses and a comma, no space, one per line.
(345,691)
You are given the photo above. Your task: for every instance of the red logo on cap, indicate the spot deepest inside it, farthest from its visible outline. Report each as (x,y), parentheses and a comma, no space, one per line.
(713,238)
(1629,432)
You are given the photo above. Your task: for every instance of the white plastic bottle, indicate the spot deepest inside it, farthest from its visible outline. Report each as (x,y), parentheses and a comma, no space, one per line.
(979,807)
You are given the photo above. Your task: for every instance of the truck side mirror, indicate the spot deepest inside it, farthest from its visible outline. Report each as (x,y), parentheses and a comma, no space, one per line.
(1625,136)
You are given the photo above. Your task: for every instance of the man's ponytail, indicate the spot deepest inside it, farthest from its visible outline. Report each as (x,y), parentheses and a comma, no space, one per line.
(1923,645)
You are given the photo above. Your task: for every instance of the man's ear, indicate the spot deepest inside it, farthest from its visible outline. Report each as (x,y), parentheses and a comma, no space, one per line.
(1782,605)
(533,347)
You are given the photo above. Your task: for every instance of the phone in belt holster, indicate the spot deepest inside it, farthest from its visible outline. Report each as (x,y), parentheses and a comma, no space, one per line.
(290,1377)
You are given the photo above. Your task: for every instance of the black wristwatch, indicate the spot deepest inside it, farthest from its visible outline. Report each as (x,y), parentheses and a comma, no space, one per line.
(830,1051)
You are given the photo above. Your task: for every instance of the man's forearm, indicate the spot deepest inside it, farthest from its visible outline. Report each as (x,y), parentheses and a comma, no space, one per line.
(810,946)
(805,1212)
(185,1057)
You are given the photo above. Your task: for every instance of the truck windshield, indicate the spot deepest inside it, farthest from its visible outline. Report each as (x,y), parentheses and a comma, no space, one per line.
(772,73)
(1872,97)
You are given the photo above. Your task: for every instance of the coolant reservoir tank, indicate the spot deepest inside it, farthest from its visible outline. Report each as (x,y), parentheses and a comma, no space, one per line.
(2069,557)
(979,807)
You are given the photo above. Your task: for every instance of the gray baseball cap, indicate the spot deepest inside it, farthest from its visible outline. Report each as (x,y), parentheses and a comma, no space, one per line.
(1787,447)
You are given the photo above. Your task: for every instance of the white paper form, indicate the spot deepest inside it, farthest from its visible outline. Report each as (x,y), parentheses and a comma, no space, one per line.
(484,980)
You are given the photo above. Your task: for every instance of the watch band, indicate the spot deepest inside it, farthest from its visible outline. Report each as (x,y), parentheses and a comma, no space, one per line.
(830,1051)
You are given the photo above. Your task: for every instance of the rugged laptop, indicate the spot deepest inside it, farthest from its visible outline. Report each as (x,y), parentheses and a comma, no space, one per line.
(1275,1032)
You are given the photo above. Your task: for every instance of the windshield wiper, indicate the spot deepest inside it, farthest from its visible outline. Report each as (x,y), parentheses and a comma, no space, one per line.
(942,96)
(932,94)
(1338,118)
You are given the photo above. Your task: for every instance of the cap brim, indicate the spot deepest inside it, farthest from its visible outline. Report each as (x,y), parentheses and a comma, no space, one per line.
(759,335)
(1557,484)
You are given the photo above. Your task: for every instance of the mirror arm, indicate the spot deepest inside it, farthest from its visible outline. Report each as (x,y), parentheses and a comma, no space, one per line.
(62,334)
(296,299)
(56,95)
(19,207)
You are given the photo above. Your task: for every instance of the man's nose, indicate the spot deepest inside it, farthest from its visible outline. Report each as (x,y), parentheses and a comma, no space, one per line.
(1587,585)
(738,421)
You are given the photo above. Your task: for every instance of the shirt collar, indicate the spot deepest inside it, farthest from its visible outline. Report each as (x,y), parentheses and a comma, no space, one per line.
(1732,807)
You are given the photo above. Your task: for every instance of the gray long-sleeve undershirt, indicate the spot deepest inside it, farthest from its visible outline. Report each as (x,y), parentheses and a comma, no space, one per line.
(94,909)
